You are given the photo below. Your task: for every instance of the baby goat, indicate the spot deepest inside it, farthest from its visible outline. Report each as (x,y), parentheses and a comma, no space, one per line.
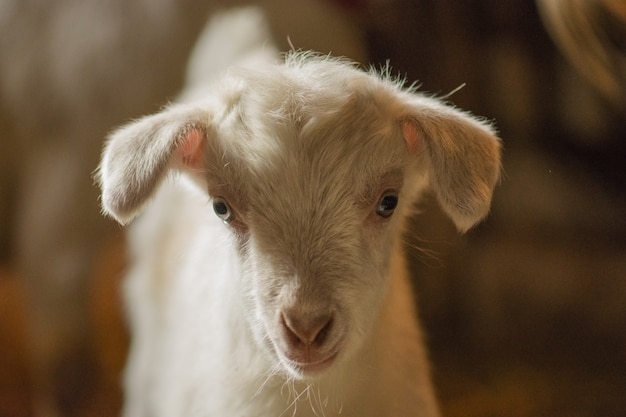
(269,278)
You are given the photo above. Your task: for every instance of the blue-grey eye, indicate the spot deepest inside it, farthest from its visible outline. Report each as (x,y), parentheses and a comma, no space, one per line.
(387,203)
(222,209)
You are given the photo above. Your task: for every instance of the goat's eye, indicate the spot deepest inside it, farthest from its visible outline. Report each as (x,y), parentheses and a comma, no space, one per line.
(222,209)
(387,203)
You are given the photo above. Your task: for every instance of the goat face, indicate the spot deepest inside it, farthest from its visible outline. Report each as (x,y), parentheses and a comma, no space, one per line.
(312,165)
(315,205)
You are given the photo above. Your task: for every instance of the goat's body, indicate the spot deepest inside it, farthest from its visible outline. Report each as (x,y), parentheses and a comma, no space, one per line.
(194,355)
(294,298)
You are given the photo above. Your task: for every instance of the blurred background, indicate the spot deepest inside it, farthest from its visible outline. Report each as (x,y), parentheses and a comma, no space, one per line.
(525,315)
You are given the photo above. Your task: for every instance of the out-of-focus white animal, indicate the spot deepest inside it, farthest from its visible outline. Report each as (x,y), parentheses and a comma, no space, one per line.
(268,275)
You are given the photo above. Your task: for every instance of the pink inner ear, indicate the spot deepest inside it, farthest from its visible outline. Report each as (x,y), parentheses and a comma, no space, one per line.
(411,136)
(190,148)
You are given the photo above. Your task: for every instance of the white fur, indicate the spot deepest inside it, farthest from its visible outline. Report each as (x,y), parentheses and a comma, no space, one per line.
(302,152)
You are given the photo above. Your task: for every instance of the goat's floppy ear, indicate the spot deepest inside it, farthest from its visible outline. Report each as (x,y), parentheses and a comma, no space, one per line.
(460,153)
(138,156)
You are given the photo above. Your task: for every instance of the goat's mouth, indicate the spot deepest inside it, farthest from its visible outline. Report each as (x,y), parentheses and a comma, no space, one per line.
(304,369)
(310,362)
(310,368)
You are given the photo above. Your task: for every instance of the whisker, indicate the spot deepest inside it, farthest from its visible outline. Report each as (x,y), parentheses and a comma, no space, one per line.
(294,403)
(429,257)
(273,372)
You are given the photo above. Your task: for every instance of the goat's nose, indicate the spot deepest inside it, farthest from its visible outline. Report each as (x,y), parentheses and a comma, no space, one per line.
(306,330)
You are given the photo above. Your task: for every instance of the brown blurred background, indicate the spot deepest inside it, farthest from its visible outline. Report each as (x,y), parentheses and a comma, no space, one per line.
(526,315)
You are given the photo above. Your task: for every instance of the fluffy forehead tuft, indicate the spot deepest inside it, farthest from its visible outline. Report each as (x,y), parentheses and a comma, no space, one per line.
(326,65)
(313,119)
(307,84)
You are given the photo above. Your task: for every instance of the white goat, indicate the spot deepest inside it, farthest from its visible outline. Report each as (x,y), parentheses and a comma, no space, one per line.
(292,298)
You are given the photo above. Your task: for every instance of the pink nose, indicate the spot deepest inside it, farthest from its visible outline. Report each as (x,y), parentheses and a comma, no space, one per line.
(306,331)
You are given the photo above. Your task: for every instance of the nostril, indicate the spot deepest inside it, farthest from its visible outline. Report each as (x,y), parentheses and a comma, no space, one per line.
(322,334)
(307,331)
